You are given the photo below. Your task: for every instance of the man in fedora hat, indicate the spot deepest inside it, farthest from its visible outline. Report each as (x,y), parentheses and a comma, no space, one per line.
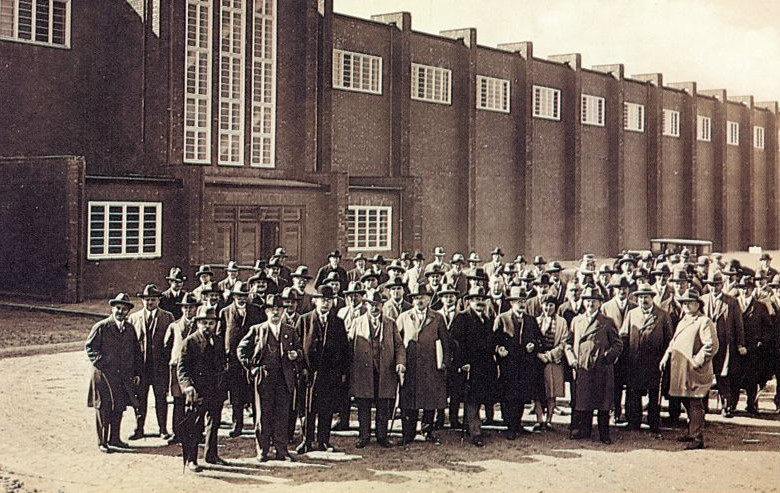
(357,272)
(204,275)
(377,267)
(378,364)
(406,260)
(334,259)
(370,281)
(495,266)
(616,309)
(201,374)
(539,263)
(449,301)
(334,283)
(175,335)
(662,290)
(300,278)
(475,278)
(472,330)
(276,283)
(765,266)
(473,261)
(327,353)
(689,359)
(774,301)
(349,314)
(455,276)
(230,280)
(573,305)
(517,343)
(284,270)
(151,322)
(533,306)
(258,287)
(211,297)
(395,275)
(595,348)
(234,322)
(291,300)
(725,313)
(171,297)
(604,281)
(433,278)
(112,348)
(557,286)
(426,340)
(496,302)
(396,304)
(414,274)
(438,260)
(758,327)
(646,332)
(272,354)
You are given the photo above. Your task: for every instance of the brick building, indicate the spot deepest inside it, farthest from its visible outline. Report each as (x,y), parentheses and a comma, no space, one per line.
(140,134)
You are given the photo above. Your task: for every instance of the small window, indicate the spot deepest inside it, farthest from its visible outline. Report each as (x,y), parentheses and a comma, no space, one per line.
(592,112)
(431,84)
(369,227)
(758,137)
(634,117)
(357,72)
(547,103)
(492,94)
(124,230)
(43,22)
(671,123)
(732,137)
(704,128)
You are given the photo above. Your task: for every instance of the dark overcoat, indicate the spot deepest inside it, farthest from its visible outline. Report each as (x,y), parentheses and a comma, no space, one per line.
(155,356)
(476,346)
(327,355)
(521,372)
(252,348)
(232,328)
(202,366)
(596,345)
(425,383)
(731,333)
(758,328)
(645,340)
(391,354)
(169,300)
(116,359)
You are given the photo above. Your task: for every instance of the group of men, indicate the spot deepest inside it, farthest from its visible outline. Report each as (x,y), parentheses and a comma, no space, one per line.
(427,337)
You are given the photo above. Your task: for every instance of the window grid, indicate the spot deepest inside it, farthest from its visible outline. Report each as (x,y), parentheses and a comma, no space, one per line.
(41,22)
(431,84)
(369,227)
(592,110)
(492,94)
(357,72)
(197,83)
(124,230)
(732,137)
(231,83)
(547,103)
(264,84)
(634,117)
(704,128)
(758,137)
(671,123)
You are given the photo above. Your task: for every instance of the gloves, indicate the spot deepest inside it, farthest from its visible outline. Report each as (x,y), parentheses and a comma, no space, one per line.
(502,351)
(742,350)
(530,347)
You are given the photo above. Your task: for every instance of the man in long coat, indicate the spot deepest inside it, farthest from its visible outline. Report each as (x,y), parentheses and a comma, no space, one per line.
(151,322)
(758,326)
(596,346)
(112,348)
(426,340)
(449,299)
(616,309)
(472,330)
(327,354)
(646,332)
(378,362)
(518,340)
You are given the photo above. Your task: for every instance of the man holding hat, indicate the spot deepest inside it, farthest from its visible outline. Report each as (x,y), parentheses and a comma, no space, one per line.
(378,364)
(230,280)
(151,323)
(646,332)
(438,260)
(204,275)
(201,373)
(234,322)
(360,268)
(616,309)
(171,297)
(326,352)
(112,348)
(272,354)
(689,359)
(495,266)
(334,258)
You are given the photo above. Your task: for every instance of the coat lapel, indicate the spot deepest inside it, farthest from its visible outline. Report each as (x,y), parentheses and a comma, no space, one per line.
(592,327)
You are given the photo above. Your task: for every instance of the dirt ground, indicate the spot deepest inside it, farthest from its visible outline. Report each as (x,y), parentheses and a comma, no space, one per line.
(21,328)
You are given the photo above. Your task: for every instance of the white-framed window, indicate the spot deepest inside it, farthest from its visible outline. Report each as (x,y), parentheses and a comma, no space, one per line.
(357,72)
(197,82)
(231,83)
(547,103)
(592,110)
(758,137)
(492,94)
(634,117)
(732,133)
(124,230)
(704,128)
(671,123)
(369,227)
(263,146)
(42,22)
(431,84)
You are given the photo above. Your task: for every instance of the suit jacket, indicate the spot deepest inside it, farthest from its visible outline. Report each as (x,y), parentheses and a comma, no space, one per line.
(252,347)
(202,366)
(476,347)
(496,307)
(413,277)
(276,287)
(520,371)
(727,318)
(611,310)
(567,311)
(116,359)
(491,269)
(533,306)
(391,310)
(168,302)
(391,354)
(175,336)
(226,285)
(355,274)
(645,340)
(155,356)
(233,327)
(323,272)
(459,281)
(425,384)
(660,298)
(596,346)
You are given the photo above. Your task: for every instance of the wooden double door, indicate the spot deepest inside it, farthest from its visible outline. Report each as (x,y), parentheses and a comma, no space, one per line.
(248,233)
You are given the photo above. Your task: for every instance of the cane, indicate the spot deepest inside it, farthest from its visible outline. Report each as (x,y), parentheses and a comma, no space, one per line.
(395,406)
(465,403)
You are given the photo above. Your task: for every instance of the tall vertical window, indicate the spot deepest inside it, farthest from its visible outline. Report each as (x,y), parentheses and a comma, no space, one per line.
(732,133)
(592,111)
(124,230)
(45,22)
(671,123)
(264,84)
(357,72)
(547,103)
(431,84)
(369,227)
(758,137)
(231,83)
(634,117)
(197,83)
(704,128)
(492,94)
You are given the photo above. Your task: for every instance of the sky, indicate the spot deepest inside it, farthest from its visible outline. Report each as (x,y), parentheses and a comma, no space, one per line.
(720,44)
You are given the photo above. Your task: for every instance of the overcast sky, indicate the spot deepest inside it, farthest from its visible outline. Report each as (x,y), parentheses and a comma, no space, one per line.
(720,44)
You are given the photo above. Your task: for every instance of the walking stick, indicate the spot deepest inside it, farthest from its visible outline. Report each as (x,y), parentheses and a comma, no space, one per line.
(395,406)
(465,414)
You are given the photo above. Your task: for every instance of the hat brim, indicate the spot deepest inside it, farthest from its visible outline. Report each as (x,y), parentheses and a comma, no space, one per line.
(644,293)
(445,293)
(180,279)
(119,302)
(153,295)
(201,272)
(356,291)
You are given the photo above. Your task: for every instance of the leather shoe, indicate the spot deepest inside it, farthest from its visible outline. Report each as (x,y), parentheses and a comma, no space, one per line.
(263,458)
(360,443)
(695,445)
(284,457)
(119,444)
(686,439)
(104,449)
(430,437)
(304,447)
(217,461)
(384,443)
(234,433)
(165,435)
(579,435)
(326,447)
(194,467)
(538,427)
(511,435)
(174,440)
(137,435)
(477,441)
(606,440)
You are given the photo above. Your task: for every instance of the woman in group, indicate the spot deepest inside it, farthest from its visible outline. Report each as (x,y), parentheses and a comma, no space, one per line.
(555,334)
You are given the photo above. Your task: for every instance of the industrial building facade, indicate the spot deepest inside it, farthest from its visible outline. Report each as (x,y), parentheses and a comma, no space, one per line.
(141,134)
